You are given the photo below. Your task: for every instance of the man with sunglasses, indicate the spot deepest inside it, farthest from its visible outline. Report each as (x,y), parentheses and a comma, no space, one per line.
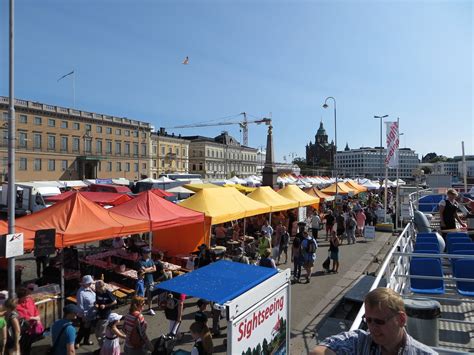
(386,319)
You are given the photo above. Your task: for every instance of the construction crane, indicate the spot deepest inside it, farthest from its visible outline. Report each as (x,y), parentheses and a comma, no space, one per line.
(243,125)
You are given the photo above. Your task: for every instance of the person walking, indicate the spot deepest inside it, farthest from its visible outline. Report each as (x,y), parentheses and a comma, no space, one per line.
(63,333)
(308,249)
(13,327)
(351,225)
(340,224)
(361,218)
(33,329)
(296,257)
(334,243)
(111,344)
(136,339)
(104,302)
(330,219)
(315,224)
(284,242)
(86,301)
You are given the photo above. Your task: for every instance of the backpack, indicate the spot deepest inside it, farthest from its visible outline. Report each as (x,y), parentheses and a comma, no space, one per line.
(311,246)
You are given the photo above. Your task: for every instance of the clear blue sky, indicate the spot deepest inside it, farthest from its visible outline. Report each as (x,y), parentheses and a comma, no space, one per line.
(408,59)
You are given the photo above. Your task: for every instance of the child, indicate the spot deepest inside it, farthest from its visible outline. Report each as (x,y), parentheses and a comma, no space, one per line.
(202,339)
(111,344)
(140,286)
(201,315)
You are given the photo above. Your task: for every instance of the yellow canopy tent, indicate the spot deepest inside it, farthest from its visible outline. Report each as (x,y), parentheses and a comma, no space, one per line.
(199,187)
(318,193)
(242,188)
(269,197)
(354,185)
(223,204)
(293,192)
(342,189)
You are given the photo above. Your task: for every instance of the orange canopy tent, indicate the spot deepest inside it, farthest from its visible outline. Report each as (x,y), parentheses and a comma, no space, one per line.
(342,189)
(28,236)
(78,220)
(313,191)
(102,198)
(354,185)
(176,229)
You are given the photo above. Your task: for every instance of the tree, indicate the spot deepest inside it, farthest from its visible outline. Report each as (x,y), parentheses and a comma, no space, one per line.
(427,170)
(265,347)
(428,157)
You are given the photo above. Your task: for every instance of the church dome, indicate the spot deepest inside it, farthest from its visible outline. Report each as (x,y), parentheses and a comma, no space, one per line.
(321,130)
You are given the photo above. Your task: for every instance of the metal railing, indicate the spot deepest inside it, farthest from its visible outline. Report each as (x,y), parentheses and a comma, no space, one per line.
(395,268)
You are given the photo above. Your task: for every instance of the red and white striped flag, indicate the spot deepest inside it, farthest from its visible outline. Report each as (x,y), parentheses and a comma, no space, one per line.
(391,160)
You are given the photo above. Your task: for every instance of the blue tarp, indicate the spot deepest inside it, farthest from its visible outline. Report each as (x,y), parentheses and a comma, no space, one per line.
(218,282)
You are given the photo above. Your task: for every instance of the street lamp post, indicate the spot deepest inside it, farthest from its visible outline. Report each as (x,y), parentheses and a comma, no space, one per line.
(381,147)
(335,137)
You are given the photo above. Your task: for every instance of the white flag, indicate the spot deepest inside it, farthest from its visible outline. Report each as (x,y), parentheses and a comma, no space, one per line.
(391,160)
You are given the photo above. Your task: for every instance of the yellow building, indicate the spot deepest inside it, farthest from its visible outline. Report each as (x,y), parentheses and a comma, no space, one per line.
(170,154)
(57,143)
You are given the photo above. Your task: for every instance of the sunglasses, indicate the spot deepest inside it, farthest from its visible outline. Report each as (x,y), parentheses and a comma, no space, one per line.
(377,321)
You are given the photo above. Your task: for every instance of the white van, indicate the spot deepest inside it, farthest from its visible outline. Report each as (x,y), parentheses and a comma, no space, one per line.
(29,196)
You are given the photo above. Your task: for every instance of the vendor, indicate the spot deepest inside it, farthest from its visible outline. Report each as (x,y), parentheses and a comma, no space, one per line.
(204,257)
(221,234)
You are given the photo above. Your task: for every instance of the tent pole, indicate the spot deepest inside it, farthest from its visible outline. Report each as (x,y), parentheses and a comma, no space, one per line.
(270,218)
(245,225)
(386,195)
(61,280)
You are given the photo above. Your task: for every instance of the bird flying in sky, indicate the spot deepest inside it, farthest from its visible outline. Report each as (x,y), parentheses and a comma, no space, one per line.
(186,60)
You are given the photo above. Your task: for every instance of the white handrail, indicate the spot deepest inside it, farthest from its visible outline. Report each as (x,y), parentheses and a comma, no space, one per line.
(381,273)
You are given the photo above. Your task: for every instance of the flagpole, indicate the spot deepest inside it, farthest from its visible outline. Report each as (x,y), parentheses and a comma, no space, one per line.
(11,152)
(397,196)
(73,88)
(386,186)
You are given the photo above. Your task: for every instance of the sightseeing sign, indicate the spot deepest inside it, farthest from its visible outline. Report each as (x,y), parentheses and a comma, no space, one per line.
(263,329)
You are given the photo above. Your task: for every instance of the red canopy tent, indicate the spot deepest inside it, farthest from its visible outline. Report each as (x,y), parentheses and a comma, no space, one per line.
(78,220)
(102,198)
(176,229)
(161,193)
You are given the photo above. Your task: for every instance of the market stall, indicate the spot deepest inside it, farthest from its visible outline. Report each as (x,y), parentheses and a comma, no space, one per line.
(101,198)
(313,191)
(176,229)
(78,220)
(342,189)
(256,302)
(272,199)
(354,185)
(223,204)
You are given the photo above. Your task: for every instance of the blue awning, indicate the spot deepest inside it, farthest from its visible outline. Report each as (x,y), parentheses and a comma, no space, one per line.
(218,282)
